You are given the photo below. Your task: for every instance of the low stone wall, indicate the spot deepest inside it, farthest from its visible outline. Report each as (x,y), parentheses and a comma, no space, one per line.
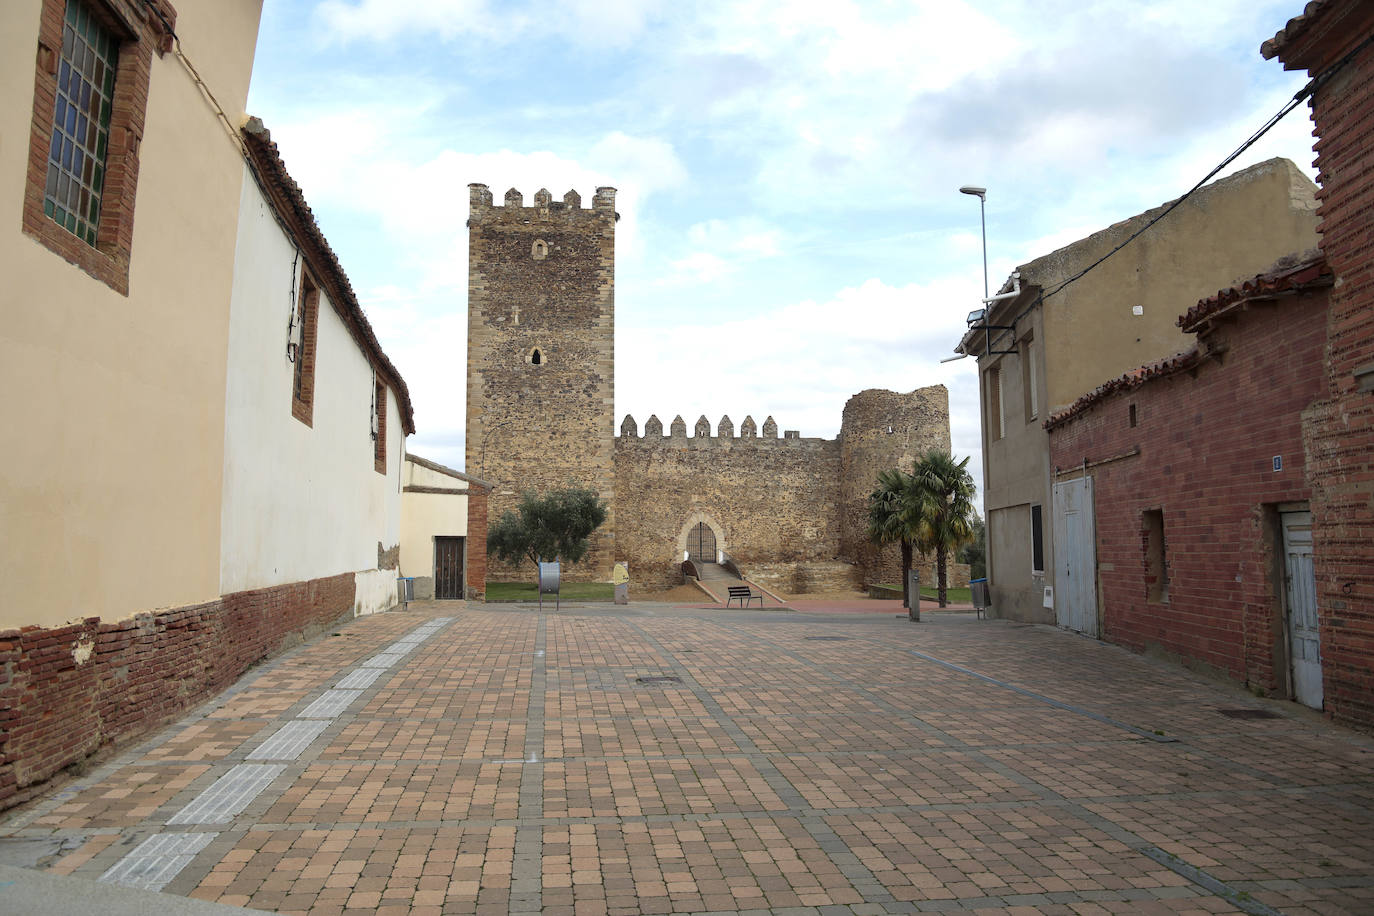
(804,578)
(66,692)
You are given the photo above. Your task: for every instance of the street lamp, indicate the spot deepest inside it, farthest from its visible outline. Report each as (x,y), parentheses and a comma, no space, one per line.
(982,195)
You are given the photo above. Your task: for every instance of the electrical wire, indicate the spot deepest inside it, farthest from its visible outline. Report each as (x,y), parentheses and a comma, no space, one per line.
(196,77)
(1299,98)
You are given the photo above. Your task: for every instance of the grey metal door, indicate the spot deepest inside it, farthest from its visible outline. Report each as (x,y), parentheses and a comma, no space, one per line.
(1075,556)
(1304,635)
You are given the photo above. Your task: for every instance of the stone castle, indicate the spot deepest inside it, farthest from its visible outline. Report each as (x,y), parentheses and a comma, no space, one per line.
(790,512)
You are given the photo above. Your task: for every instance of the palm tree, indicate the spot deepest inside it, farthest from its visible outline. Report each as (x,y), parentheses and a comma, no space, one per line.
(942,493)
(892,518)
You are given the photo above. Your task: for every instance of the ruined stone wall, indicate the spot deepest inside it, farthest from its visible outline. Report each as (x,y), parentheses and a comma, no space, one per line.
(541,331)
(768,500)
(884,429)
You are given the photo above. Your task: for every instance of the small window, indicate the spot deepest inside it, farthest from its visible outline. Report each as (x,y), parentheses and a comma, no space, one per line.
(1037,540)
(303,351)
(379,425)
(539,250)
(536,357)
(1029,372)
(1131,416)
(94,64)
(87,63)
(1156,556)
(997,427)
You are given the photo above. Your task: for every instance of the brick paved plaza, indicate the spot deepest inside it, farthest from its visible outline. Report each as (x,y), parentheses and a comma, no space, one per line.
(454,759)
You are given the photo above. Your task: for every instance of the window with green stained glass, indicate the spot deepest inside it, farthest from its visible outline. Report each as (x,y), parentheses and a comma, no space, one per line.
(81,123)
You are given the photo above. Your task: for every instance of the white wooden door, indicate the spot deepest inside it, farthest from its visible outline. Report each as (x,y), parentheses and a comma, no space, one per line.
(1304,637)
(1075,556)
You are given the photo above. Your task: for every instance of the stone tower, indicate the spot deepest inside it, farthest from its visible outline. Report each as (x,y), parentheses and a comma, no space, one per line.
(541,336)
(883,429)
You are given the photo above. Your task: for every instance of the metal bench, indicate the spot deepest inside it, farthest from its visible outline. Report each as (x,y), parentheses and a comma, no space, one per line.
(744,593)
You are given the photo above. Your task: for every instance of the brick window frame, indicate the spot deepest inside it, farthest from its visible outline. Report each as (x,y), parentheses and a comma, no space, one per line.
(379,390)
(303,353)
(141,29)
(1155,553)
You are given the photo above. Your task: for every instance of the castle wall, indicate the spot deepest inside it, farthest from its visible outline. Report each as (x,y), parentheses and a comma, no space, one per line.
(541,331)
(880,430)
(770,500)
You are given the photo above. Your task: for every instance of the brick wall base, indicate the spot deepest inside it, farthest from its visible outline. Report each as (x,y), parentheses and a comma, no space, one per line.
(67,692)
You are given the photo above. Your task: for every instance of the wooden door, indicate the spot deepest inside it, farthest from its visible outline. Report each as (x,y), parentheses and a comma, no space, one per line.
(448,567)
(1075,556)
(1304,637)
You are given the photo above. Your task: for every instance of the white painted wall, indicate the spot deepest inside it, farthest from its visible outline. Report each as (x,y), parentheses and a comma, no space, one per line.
(374,590)
(427,515)
(300,502)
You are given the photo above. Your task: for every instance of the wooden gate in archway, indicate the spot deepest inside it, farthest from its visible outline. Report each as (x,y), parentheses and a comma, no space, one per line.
(701,544)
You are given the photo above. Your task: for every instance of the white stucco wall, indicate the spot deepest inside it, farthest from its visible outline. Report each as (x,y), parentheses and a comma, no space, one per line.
(427,515)
(300,502)
(374,590)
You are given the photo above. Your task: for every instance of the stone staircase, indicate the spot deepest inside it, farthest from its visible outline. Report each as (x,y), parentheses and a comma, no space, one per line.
(716,580)
(711,572)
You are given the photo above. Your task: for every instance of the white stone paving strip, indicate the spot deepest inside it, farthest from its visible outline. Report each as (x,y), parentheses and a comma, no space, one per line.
(383,660)
(229,794)
(330,704)
(289,741)
(360,679)
(157,860)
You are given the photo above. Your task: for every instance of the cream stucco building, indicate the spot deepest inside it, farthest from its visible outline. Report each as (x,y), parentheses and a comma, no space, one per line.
(1049,338)
(204,443)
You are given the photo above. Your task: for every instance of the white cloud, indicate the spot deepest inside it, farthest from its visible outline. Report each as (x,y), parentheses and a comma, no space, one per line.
(596,23)
(380,20)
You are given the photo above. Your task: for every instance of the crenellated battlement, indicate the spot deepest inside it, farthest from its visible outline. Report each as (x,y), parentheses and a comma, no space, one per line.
(701,431)
(482,203)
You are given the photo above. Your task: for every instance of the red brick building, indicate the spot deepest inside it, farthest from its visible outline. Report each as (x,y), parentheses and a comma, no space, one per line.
(1195,463)
(1332,40)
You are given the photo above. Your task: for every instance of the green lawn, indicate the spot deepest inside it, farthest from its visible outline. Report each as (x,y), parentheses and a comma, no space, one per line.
(571,591)
(952,595)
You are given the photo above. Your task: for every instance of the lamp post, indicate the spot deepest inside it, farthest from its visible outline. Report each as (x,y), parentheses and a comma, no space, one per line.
(982,195)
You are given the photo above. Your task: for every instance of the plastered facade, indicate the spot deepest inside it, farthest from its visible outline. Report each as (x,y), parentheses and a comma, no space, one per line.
(169,516)
(541,329)
(279,525)
(1119,316)
(121,423)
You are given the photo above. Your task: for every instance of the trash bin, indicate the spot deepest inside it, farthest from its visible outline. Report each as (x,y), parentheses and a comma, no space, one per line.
(979,591)
(405,588)
(548,584)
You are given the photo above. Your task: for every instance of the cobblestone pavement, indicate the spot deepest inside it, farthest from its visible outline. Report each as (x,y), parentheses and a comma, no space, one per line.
(454,759)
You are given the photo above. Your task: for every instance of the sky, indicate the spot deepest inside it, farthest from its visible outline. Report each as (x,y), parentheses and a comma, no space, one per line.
(791,229)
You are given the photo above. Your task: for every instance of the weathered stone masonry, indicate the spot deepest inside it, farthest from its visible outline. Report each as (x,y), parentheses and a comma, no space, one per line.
(541,350)
(541,333)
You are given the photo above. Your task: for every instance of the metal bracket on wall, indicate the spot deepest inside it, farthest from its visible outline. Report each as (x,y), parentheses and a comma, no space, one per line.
(987,330)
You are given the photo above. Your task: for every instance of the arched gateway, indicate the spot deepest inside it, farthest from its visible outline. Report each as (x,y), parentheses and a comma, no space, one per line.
(701,544)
